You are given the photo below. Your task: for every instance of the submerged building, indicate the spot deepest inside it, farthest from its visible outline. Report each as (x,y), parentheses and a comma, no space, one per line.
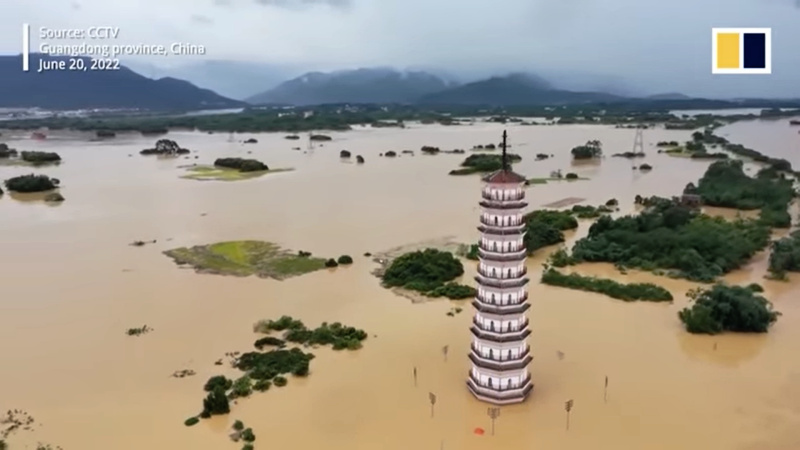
(500,353)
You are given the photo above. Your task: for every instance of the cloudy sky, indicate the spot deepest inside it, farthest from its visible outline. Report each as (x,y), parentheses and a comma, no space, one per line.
(658,46)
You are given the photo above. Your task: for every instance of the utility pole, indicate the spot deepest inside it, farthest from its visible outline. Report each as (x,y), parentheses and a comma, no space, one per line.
(432,398)
(638,140)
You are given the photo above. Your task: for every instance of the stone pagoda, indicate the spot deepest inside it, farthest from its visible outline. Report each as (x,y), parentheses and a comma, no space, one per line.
(500,353)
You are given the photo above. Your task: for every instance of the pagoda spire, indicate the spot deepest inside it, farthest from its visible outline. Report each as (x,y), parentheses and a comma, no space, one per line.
(504,145)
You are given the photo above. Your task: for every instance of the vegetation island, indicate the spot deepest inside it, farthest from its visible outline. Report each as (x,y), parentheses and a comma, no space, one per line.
(614,289)
(10,156)
(785,256)
(483,163)
(230,169)
(245,258)
(591,150)
(698,148)
(264,369)
(555,175)
(728,308)
(674,238)
(165,147)
(430,272)
(31,183)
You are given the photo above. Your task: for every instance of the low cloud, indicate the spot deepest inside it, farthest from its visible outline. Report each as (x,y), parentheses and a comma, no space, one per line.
(298,4)
(201,19)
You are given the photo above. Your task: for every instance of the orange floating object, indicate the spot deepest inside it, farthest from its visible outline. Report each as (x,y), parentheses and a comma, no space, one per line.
(479,431)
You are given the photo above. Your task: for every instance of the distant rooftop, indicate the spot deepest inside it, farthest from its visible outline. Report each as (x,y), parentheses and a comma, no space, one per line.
(504,176)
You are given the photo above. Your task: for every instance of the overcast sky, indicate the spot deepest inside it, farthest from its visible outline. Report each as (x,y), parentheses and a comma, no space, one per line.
(656,45)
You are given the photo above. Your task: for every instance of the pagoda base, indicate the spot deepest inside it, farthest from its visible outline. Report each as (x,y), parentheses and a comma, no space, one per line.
(497,397)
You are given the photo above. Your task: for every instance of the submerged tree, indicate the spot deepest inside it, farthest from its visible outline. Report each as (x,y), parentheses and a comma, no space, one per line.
(728,308)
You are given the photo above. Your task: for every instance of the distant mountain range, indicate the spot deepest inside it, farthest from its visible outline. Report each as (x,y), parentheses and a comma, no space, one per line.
(234,79)
(103,89)
(377,85)
(513,90)
(127,89)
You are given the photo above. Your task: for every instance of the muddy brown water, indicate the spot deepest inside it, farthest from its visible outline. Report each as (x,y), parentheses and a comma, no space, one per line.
(71,285)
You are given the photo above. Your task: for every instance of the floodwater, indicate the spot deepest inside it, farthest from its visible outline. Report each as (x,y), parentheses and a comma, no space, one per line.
(71,285)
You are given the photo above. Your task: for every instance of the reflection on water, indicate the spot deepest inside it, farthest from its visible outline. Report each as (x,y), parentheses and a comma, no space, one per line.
(72,285)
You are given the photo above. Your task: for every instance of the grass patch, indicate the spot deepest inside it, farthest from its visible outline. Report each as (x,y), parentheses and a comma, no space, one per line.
(245,258)
(212,173)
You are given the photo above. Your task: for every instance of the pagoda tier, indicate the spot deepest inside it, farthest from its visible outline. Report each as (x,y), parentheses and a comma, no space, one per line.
(499,353)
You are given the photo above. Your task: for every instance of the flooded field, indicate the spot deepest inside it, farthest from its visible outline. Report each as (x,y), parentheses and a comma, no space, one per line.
(71,285)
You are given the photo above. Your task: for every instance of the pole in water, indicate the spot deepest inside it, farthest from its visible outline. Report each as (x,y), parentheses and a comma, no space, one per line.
(493,414)
(568,408)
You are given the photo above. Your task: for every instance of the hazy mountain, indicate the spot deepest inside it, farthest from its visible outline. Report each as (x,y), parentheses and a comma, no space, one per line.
(514,89)
(234,79)
(668,96)
(123,88)
(375,85)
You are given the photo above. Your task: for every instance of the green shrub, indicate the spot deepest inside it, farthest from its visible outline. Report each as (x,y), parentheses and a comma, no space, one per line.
(545,227)
(188,422)
(726,185)
(262,385)
(335,334)
(241,164)
(238,425)
(628,292)
(248,447)
(242,387)
(673,237)
(453,291)
(218,382)
(331,263)
(166,147)
(345,259)
(216,403)
(423,270)
(472,253)
(30,183)
(592,149)
(248,435)
(484,162)
(785,255)
(560,258)
(269,340)
(280,381)
(728,308)
(40,157)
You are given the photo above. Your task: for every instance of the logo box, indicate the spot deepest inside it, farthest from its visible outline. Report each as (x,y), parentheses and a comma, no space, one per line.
(741,51)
